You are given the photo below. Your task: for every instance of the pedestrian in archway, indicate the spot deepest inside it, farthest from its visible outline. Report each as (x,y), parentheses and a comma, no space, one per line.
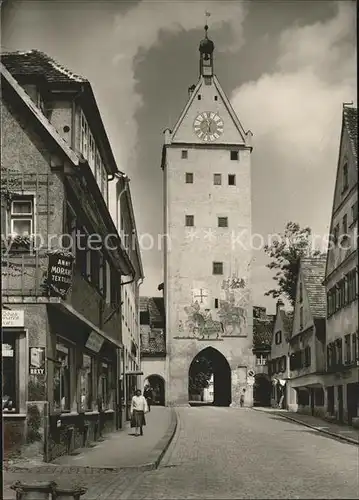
(138,409)
(241,399)
(148,394)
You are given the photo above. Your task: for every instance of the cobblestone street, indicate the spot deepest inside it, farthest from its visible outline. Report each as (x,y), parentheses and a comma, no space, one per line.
(231,453)
(228,453)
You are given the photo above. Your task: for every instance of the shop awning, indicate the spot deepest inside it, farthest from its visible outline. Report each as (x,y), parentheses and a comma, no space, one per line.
(69,310)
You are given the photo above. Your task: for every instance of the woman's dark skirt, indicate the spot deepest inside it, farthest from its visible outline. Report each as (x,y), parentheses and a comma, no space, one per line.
(138,419)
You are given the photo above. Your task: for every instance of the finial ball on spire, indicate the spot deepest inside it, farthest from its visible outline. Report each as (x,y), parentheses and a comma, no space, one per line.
(206,45)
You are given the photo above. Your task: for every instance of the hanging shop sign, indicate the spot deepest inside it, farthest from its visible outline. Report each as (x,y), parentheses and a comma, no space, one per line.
(60,272)
(12,318)
(94,342)
(37,364)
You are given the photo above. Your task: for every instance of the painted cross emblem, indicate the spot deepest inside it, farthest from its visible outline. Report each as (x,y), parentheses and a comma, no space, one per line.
(201,295)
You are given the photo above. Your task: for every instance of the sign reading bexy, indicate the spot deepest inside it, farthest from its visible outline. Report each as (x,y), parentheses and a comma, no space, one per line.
(37,364)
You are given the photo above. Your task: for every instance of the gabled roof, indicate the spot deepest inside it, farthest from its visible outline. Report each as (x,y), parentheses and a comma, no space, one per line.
(313,272)
(36,63)
(37,113)
(36,66)
(350,117)
(225,101)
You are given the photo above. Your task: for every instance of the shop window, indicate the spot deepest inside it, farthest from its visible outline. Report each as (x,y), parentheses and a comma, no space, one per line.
(9,374)
(22,216)
(87,373)
(104,386)
(62,378)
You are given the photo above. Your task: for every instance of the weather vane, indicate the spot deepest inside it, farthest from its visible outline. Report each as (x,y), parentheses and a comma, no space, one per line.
(206,15)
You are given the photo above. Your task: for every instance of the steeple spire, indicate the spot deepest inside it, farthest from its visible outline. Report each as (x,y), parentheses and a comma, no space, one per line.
(206,48)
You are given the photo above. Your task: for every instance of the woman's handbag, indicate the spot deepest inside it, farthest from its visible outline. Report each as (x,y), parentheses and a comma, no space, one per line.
(133,420)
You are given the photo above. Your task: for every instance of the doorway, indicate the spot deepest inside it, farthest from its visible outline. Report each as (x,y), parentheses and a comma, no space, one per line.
(340,403)
(262,390)
(352,401)
(157,384)
(210,369)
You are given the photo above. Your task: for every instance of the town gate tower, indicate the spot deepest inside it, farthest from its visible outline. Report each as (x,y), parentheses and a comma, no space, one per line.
(207,261)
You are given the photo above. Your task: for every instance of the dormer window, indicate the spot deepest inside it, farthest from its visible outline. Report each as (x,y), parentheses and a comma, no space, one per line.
(345,177)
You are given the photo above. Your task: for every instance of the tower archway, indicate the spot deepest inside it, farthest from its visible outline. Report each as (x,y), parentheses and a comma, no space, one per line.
(157,384)
(209,366)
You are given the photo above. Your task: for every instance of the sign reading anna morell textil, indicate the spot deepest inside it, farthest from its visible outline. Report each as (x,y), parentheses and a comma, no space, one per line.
(60,271)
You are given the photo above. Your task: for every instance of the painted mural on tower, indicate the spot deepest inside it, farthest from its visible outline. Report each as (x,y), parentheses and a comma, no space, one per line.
(203,318)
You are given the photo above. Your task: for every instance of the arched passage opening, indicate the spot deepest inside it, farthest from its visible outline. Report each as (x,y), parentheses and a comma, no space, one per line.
(210,370)
(262,390)
(157,384)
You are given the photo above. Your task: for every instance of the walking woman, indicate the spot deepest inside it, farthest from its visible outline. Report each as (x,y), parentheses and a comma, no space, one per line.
(138,409)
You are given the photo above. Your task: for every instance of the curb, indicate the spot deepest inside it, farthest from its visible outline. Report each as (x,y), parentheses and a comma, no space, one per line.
(323,431)
(156,456)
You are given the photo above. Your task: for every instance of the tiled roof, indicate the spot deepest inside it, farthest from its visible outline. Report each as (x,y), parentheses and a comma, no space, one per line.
(262,332)
(156,310)
(313,271)
(37,64)
(153,341)
(350,116)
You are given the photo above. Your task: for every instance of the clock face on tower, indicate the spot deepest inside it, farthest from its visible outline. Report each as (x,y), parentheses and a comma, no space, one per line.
(208,126)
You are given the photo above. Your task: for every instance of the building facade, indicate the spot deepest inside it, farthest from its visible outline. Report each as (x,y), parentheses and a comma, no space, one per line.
(278,365)
(341,280)
(207,287)
(61,292)
(307,341)
(153,346)
(131,361)
(262,339)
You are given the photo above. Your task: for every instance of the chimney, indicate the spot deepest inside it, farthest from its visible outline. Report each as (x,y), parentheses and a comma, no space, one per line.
(279,305)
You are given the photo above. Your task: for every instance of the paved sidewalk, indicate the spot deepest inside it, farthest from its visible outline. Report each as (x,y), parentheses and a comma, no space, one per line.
(343,432)
(109,468)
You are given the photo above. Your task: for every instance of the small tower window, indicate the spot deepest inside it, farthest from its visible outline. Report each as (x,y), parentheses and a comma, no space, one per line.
(222,221)
(216,97)
(189,178)
(184,154)
(231,180)
(234,155)
(217,179)
(217,268)
(216,303)
(199,97)
(189,220)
